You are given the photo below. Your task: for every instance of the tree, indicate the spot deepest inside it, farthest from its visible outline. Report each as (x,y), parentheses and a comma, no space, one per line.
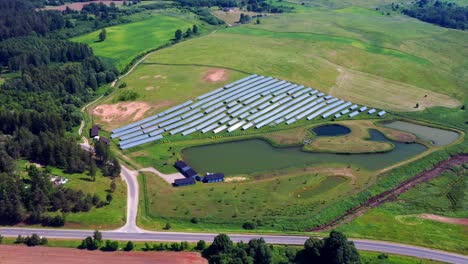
(129,246)
(111,245)
(167,226)
(337,249)
(102,35)
(200,245)
(312,251)
(259,251)
(258,21)
(113,186)
(109,198)
(195,29)
(33,241)
(248,226)
(221,244)
(92,169)
(97,236)
(178,35)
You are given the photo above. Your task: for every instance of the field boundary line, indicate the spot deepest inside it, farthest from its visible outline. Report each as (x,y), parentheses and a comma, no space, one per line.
(197,65)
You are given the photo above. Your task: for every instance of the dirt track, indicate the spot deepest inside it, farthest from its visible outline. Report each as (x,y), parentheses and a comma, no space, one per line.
(25,255)
(392,194)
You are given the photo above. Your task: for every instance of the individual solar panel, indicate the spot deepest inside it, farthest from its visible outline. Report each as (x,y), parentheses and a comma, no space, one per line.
(290,121)
(331,106)
(232,122)
(305,109)
(337,109)
(284,100)
(236,126)
(240,81)
(301,92)
(251,90)
(313,92)
(235,108)
(291,91)
(125,142)
(210,93)
(251,99)
(371,111)
(211,121)
(171,121)
(209,128)
(125,132)
(166,117)
(247,126)
(214,107)
(219,129)
(224,120)
(242,110)
(150,129)
(279,121)
(353,107)
(362,109)
(285,90)
(157,132)
(259,113)
(189,131)
(177,107)
(132,125)
(134,134)
(328,97)
(279,97)
(276,88)
(332,100)
(253,111)
(353,114)
(244,115)
(184,121)
(231,104)
(257,90)
(344,112)
(381,113)
(284,109)
(264,99)
(310,110)
(198,121)
(143,141)
(264,105)
(338,115)
(320,94)
(190,113)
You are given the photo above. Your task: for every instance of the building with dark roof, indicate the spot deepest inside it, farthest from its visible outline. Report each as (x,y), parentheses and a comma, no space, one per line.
(215,177)
(94,131)
(184,182)
(186,170)
(104,140)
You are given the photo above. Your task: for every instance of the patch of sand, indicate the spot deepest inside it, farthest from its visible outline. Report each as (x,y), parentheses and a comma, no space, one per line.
(124,111)
(149,88)
(15,254)
(215,75)
(443,219)
(159,76)
(144,77)
(235,179)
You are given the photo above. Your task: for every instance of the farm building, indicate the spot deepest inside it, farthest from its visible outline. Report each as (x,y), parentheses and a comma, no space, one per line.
(184,182)
(215,177)
(104,140)
(94,132)
(186,170)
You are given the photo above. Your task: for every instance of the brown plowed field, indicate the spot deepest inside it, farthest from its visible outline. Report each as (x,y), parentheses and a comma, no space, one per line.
(26,255)
(392,194)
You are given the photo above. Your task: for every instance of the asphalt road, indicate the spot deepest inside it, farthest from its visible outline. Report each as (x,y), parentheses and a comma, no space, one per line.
(379,246)
(132,201)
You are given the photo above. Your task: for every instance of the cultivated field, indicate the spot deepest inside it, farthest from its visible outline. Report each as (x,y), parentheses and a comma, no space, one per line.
(23,254)
(126,41)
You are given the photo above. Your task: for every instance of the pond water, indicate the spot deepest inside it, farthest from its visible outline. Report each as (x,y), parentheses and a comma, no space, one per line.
(438,137)
(257,155)
(331,130)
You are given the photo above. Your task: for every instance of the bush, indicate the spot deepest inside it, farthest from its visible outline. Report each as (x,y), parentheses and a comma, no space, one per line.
(201,245)
(110,246)
(129,246)
(168,226)
(194,220)
(19,240)
(123,85)
(33,241)
(127,96)
(249,226)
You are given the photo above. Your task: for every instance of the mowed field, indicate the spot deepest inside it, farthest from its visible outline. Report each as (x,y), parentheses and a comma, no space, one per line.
(124,42)
(345,52)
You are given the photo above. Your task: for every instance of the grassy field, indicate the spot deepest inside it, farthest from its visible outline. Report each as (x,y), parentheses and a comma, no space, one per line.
(124,42)
(107,217)
(400,220)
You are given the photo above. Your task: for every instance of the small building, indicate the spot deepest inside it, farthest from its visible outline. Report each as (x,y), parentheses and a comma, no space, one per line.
(184,182)
(104,140)
(94,132)
(215,177)
(186,170)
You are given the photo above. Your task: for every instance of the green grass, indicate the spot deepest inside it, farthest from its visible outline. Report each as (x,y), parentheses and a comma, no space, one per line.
(124,42)
(399,220)
(369,257)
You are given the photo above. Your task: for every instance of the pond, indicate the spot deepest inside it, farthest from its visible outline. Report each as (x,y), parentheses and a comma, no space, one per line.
(257,155)
(437,136)
(331,130)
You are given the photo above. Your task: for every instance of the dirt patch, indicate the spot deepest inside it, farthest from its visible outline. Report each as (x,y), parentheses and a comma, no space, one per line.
(24,255)
(144,77)
(79,6)
(235,179)
(392,194)
(149,88)
(443,219)
(215,75)
(159,76)
(125,111)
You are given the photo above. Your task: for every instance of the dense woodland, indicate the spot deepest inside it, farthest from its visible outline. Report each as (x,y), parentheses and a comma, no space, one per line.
(261,6)
(444,14)
(51,79)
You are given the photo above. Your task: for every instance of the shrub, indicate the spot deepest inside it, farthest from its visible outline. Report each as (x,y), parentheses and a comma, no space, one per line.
(248,226)
(194,220)
(201,245)
(129,246)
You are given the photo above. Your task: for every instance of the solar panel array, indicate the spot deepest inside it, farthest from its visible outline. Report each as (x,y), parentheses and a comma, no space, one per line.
(252,102)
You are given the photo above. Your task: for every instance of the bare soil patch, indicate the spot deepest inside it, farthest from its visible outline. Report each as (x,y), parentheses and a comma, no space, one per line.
(79,6)
(443,219)
(215,75)
(124,111)
(235,179)
(149,88)
(25,255)
(144,77)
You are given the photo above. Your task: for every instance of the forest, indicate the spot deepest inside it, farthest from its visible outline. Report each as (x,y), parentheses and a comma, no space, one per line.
(39,106)
(444,14)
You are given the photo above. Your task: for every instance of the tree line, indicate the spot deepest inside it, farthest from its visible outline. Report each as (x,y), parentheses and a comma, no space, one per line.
(445,14)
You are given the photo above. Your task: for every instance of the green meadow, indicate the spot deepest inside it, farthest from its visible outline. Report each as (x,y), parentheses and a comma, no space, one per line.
(125,42)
